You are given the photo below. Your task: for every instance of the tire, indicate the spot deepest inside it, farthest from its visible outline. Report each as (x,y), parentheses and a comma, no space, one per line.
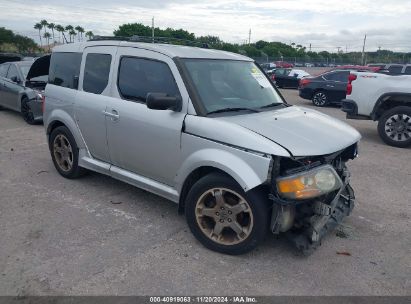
(213,204)
(26,111)
(64,153)
(394,127)
(320,98)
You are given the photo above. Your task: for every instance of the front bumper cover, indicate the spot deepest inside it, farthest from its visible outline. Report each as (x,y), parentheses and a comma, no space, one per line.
(321,218)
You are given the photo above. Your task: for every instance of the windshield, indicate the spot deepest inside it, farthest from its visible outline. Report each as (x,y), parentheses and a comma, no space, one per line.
(223,84)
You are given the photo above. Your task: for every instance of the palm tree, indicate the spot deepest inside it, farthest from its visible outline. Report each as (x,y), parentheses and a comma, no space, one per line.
(44,23)
(72,33)
(79,30)
(89,34)
(60,29)
(52,26)
(47,36)
(69,28)
(38,26)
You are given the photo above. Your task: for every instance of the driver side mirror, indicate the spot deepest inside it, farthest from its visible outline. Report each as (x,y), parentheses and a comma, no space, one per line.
(160,101)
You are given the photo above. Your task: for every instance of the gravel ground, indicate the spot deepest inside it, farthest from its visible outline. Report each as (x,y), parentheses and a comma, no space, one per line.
(99,236)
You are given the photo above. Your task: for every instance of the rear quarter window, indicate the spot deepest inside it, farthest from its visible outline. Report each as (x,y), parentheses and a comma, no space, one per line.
(407,70)
(3,70)
(64,67)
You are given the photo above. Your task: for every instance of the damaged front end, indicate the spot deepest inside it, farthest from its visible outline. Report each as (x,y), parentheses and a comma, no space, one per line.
(311,196)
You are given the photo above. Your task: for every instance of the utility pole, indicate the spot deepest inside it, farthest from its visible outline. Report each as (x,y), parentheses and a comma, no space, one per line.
(249,37)
(338,49)
(152,29)
(363,51)
(310,47)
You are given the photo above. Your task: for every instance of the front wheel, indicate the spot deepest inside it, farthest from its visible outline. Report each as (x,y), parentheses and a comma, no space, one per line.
(320,99)
(223,217)
(394,127)
(26,111)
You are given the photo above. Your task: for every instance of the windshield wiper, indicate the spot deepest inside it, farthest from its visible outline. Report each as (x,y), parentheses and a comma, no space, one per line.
(274,104)
(233,110)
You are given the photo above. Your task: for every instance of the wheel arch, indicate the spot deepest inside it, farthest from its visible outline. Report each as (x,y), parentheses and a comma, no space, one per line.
(388,101)
(197,166)
(60,118)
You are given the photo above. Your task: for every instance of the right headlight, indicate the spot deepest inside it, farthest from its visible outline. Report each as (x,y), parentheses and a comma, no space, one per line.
(309,184)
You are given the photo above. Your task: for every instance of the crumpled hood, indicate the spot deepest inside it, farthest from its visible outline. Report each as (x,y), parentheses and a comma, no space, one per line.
(302,131)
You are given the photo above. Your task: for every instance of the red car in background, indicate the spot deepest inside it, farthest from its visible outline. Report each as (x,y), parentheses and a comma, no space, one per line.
(283,64)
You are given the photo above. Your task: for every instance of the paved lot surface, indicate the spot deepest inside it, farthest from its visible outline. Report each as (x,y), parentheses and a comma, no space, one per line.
(97,236)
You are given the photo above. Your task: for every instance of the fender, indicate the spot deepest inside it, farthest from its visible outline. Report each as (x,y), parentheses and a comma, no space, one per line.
(199,152)
(383,98)
(58,115)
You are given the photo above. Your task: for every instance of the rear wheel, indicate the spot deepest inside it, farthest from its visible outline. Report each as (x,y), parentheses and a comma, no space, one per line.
(394,127)
(26,111)
(64,152)
(320,99)
(223,217)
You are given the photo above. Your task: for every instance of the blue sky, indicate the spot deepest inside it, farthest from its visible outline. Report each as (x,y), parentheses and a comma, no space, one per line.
(325,24)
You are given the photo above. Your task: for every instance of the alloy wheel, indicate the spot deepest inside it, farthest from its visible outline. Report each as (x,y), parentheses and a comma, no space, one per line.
(63,152)
(398,127)
(320,99)
(224,216)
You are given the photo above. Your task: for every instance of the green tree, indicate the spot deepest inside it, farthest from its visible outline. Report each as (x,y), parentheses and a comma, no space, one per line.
(39,27)
(80,31)
(60,29)
(69,29)
(73,34)
(47,36)
(52,27)
(44,23)
(89,34)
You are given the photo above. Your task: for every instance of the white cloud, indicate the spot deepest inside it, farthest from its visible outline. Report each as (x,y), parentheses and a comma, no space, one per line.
(325,24)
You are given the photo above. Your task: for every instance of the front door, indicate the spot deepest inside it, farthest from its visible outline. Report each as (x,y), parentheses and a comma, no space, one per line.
(12,88)
(141,140)
(93,97)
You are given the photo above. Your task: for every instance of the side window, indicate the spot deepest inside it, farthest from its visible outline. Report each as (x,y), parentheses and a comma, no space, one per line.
(337,76)
(12,72)
(3,70)
(138,76)
(395,69)
(96,73)
(64,67)
(407,70)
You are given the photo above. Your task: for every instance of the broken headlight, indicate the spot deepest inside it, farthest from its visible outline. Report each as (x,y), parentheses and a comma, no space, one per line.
(309,184)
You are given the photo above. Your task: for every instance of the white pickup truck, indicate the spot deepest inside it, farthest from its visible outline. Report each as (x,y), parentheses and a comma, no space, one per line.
(382,98)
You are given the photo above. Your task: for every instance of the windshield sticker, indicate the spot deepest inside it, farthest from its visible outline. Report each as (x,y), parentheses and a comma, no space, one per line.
(260,78)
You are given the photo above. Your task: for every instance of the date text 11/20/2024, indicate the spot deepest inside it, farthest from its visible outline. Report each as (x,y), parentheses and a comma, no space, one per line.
(206,299)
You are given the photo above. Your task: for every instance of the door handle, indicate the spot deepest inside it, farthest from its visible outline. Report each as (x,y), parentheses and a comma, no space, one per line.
(113,114)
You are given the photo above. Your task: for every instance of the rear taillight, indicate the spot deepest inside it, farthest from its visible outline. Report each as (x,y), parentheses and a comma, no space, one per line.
(273,77)
(351,78)
(43,103)
(304,82)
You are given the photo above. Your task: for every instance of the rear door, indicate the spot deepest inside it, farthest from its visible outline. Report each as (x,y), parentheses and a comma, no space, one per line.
(336,85)
(3,73)
(93,97)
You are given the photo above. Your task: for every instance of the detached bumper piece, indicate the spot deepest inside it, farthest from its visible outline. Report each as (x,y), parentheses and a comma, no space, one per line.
(324,220)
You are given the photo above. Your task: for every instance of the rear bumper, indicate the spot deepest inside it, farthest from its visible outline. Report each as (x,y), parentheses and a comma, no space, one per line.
(349,106)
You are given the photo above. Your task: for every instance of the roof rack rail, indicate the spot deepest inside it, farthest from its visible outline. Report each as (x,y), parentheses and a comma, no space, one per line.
(147,39)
